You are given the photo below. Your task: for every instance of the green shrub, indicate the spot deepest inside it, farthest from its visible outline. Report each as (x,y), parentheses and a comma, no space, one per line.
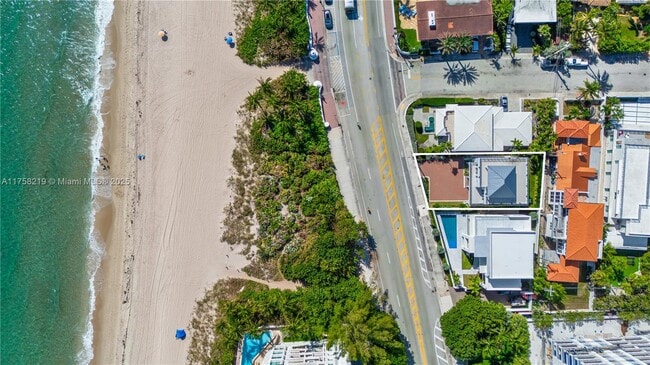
(418,127)
(274,32)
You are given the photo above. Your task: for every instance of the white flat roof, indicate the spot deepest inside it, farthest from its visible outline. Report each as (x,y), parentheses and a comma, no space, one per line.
(640,227)
(511,255)
(483,222)
(635,182)
(636,115)
(535,11)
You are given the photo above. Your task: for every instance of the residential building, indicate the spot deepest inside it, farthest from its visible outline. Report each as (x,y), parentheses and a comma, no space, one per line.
(305,352)
(535,11)
(475,128)
(627,189)
(577,231)
(498,181)
(438,18)
(631,350)
(526,17)
(502,245)
(577,132)
(636,114)
(574,168)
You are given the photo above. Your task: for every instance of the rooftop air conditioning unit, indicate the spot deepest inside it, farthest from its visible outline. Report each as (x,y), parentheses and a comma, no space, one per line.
(432,19)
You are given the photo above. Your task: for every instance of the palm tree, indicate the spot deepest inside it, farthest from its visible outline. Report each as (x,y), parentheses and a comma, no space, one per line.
(517,145)
(513,51)
(463,44)
(590,91)
(448,45)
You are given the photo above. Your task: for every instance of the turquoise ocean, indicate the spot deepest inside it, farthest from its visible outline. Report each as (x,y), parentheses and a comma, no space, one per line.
(50,98)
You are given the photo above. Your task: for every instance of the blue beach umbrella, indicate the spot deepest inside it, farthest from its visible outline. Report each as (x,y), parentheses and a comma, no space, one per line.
(180,334)
(229,40)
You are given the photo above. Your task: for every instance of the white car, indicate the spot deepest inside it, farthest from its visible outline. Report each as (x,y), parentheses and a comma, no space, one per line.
(576,62)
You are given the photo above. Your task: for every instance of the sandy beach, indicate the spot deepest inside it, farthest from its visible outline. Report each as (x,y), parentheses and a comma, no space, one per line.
(176,103)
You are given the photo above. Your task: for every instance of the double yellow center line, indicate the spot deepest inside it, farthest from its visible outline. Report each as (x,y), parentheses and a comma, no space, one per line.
(395,216)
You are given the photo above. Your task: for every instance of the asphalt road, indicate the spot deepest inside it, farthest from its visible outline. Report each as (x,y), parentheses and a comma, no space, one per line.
(370,125)
(487,78)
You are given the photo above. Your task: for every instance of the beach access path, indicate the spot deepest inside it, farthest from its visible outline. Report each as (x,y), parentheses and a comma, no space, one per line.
(189,89)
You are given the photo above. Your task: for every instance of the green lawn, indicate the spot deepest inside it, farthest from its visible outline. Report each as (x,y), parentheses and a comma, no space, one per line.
(466,263)
(440,102)
(627,30)
(533,189)
(448,205)
(634,267)
(577,298)
(412,39)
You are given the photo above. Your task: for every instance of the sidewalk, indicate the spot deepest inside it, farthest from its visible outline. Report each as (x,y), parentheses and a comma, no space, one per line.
(320,69)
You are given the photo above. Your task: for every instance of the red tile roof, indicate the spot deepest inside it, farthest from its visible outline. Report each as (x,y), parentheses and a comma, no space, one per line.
(579,129)
(584,231)
(564,272)
(471,19)
(573,169)
(570,198)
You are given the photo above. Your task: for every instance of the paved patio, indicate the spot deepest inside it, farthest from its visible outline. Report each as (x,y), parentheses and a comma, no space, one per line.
(446,179)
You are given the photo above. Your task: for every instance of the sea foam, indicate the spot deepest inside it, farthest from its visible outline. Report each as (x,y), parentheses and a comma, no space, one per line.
(101,83)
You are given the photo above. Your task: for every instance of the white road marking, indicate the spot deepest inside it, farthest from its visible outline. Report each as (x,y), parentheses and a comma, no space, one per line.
(378,216)
(388,257)
(398,304)
(369,175)
(354,26)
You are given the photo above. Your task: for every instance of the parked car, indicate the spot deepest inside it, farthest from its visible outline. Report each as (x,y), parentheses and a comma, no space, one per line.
(475,45)
(329,2)
(329,21)
(504,103)
(576,62)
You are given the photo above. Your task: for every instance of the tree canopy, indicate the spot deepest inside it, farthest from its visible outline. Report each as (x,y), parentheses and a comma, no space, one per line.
(475,331)
(284,182)
(634,302)
(544,136)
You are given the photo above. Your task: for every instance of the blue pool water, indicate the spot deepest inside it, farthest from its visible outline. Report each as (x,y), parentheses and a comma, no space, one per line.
(449,226)
(253,346)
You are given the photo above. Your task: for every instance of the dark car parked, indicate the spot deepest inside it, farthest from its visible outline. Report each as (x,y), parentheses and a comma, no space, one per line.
(329,22)
(504,103)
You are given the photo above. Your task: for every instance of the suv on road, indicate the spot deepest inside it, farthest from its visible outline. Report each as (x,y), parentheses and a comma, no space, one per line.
(329,22)
(504,103)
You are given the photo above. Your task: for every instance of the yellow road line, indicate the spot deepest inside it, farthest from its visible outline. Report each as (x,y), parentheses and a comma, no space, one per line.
(395,216)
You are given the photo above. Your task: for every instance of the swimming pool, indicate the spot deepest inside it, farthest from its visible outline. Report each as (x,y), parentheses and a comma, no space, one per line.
(449,230)
(253,346)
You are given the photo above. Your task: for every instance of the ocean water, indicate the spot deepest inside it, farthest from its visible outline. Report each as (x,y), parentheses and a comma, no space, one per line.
(50,96)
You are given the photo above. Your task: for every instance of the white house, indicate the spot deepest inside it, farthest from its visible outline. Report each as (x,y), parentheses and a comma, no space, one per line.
(475,128)
(502,245)
(626,185)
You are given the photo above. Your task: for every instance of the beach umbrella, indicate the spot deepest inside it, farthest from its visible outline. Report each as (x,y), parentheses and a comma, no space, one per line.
(180,334)
(161,33)
(229,40)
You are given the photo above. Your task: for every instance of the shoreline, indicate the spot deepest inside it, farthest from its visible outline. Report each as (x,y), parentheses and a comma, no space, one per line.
(114,221)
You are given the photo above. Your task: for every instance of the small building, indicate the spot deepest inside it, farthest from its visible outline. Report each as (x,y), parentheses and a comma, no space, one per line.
(476,128)
(528,15)
(602,351)
(304,352)
(438,18)
(627,190)
(503,247)
(498,181)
